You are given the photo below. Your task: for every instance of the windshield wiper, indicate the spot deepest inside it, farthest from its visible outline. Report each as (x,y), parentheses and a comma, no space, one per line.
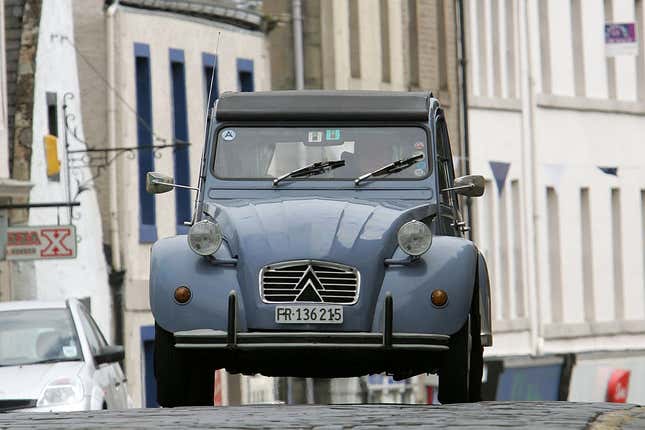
(311,169)
(393,167)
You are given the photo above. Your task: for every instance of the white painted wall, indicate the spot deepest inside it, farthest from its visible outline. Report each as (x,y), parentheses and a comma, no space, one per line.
(573,136)
(4,137)
(85,275)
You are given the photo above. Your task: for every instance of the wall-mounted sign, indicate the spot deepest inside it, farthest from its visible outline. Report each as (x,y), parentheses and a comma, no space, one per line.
(41,242)
(620,39)
(618,386)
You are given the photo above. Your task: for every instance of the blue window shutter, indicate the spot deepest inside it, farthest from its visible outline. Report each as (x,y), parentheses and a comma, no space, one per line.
(211,94)
(147,215)
(245,75)
(180,134)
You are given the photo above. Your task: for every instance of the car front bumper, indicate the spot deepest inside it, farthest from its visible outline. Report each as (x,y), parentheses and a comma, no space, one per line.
(295,340)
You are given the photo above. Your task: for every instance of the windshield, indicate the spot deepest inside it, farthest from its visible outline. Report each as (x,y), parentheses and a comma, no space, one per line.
(269,152)
(37,335)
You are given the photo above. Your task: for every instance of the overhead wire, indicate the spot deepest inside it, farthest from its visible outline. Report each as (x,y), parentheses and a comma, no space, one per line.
(118,95)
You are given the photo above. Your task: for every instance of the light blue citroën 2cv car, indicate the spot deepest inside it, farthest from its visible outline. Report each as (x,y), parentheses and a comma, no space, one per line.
(326,241)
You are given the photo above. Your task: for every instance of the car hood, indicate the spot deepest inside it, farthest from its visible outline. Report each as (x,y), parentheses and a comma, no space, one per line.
(353,232)
(314,228)
(28,382)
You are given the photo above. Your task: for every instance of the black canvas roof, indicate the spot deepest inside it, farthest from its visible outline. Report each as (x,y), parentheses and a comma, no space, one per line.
(314,105)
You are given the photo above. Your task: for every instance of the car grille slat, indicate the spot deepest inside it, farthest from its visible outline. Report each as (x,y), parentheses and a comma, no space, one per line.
(332,282)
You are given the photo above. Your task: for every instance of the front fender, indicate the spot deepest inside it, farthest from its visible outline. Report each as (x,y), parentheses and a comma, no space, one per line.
(173,264)
(483,286)
(451,265)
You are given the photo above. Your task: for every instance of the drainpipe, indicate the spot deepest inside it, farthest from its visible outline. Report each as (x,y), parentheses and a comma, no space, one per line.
(298,55)
(465,143)
(117,274)
(530,219)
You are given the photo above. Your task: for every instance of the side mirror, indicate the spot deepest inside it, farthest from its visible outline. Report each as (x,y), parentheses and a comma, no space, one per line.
(110,354)
(469,186)
(158,183)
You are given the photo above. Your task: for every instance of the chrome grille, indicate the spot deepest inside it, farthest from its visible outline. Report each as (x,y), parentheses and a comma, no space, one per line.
(310,282)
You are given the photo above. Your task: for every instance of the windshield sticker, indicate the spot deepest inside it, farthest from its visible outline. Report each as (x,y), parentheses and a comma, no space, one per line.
(332,134)
(69,351)
(419,172)
(314,136)
(228,135)
(421,165)
(418,145)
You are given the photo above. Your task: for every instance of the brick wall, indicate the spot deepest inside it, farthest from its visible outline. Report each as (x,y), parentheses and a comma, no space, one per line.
(13,10)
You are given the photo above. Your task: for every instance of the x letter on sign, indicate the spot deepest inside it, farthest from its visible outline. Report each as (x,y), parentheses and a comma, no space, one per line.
(54,246)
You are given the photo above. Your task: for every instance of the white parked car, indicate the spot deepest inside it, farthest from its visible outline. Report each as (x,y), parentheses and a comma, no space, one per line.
(53,357)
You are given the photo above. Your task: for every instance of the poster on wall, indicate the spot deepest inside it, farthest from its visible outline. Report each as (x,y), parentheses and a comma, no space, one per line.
(620,39)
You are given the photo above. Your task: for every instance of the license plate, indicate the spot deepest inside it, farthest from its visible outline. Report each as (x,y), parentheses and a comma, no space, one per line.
(307,314)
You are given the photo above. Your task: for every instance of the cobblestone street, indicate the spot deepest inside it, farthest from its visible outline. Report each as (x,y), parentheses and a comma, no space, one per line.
(487,415)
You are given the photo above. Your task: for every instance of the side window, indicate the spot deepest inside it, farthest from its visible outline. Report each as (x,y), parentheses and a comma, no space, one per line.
(446,171)
(96,342)
(97,332)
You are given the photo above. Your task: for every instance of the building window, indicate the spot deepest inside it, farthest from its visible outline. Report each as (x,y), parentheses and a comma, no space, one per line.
(616,234)
(587,255)
(511,77)
(578,48)
(545,45)
(643,231)
(385,42)
(413,49)
(180,134)
(211,86)
(491,246)
(442,46)
(640,66)
(610,61)
(354,40)
(52,113)
(555,267)
(505,268)
(496,47)
(245,75)
(147,219)
(518,265)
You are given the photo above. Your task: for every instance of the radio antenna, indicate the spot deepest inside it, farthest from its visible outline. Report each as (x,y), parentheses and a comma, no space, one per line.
(209,107)
(210,87)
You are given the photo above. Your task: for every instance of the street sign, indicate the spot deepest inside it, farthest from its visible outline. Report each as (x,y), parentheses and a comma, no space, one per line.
(41,242)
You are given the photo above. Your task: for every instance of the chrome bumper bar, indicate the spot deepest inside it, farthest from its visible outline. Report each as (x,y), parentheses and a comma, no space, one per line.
(234,340)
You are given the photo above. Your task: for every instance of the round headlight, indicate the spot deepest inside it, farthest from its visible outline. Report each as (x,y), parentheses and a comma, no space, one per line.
(204,237)
(414,238)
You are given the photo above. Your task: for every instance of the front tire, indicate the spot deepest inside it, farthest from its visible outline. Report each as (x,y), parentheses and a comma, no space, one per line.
(461,371)
(183,379)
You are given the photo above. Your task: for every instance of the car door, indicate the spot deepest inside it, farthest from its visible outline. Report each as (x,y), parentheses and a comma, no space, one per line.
(103,374)
(119,393)
(449,214)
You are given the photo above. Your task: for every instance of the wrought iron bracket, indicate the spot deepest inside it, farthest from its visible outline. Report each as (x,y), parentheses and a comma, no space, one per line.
(99,159)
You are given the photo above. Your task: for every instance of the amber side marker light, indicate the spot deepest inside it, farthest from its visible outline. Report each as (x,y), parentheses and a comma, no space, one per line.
(182,294)
(439,298)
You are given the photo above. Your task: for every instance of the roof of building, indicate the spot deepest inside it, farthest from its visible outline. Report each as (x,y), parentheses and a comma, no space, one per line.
(241,13)
(313,105)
